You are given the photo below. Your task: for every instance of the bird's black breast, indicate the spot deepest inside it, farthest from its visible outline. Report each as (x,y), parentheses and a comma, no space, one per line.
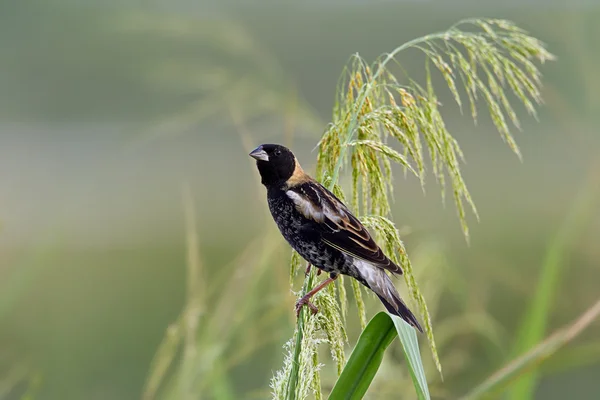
(304,235)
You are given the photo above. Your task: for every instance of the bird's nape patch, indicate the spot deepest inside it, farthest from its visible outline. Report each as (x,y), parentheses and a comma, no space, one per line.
(298,177)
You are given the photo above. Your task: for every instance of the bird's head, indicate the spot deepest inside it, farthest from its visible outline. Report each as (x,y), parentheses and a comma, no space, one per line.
(277,165)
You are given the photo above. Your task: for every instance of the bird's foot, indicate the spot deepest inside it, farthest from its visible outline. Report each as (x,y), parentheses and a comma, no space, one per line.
(305,301)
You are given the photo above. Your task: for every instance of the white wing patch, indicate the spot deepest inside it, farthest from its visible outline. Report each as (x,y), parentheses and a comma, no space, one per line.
(317,212)
(339,228)
(332,215)
(306,207)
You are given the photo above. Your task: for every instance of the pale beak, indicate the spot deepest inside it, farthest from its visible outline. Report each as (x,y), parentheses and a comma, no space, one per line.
(259,154)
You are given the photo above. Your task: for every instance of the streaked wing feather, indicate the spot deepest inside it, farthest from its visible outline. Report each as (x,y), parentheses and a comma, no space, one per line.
(338,227)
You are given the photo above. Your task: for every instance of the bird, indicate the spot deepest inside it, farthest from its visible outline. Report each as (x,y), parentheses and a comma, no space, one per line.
(324,232)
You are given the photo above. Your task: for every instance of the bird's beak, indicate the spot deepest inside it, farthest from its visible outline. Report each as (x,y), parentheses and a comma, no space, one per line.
(259,154)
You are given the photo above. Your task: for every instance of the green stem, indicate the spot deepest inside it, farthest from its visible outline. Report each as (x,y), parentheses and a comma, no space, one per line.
(308,281)
(293,380)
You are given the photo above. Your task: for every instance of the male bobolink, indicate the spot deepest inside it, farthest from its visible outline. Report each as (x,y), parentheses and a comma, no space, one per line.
(323,231)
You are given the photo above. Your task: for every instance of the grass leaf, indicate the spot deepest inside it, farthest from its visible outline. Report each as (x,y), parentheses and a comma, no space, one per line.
(367,355)
(410,345)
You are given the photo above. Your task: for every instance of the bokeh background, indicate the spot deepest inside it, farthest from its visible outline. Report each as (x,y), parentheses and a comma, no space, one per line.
(109,108)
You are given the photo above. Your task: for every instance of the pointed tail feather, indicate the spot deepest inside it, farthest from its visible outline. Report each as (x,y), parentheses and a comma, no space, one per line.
(403,312)
(379,282)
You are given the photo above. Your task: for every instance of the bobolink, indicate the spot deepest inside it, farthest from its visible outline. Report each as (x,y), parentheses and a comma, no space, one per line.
(323,231)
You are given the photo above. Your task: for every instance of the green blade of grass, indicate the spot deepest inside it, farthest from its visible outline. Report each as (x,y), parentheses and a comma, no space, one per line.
(368,354)
(533,357)
(365,359)
(533,327)
(410,345)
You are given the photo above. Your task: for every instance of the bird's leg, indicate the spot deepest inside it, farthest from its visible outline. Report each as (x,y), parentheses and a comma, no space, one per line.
(305,300)
(308,270)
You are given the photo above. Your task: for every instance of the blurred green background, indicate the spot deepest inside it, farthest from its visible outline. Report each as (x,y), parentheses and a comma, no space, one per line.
(108,107)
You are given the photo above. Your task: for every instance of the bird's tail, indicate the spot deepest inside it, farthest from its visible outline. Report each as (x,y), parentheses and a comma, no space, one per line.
(379,282)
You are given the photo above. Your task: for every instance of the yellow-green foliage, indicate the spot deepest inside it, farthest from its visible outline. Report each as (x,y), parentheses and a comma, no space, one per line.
(377,111)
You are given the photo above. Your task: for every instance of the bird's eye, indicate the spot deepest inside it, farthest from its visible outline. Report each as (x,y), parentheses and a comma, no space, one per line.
(277,152)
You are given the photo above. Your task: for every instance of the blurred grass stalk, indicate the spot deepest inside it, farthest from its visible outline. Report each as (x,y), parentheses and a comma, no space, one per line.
(22,277)
(522,375)
(196,294)
(186,327)
(530,360)
(206,346)
(535,320)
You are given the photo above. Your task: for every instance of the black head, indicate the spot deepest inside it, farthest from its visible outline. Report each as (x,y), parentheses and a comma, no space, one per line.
(275,163)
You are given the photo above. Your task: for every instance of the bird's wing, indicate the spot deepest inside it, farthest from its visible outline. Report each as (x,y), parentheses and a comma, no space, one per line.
(338,227)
